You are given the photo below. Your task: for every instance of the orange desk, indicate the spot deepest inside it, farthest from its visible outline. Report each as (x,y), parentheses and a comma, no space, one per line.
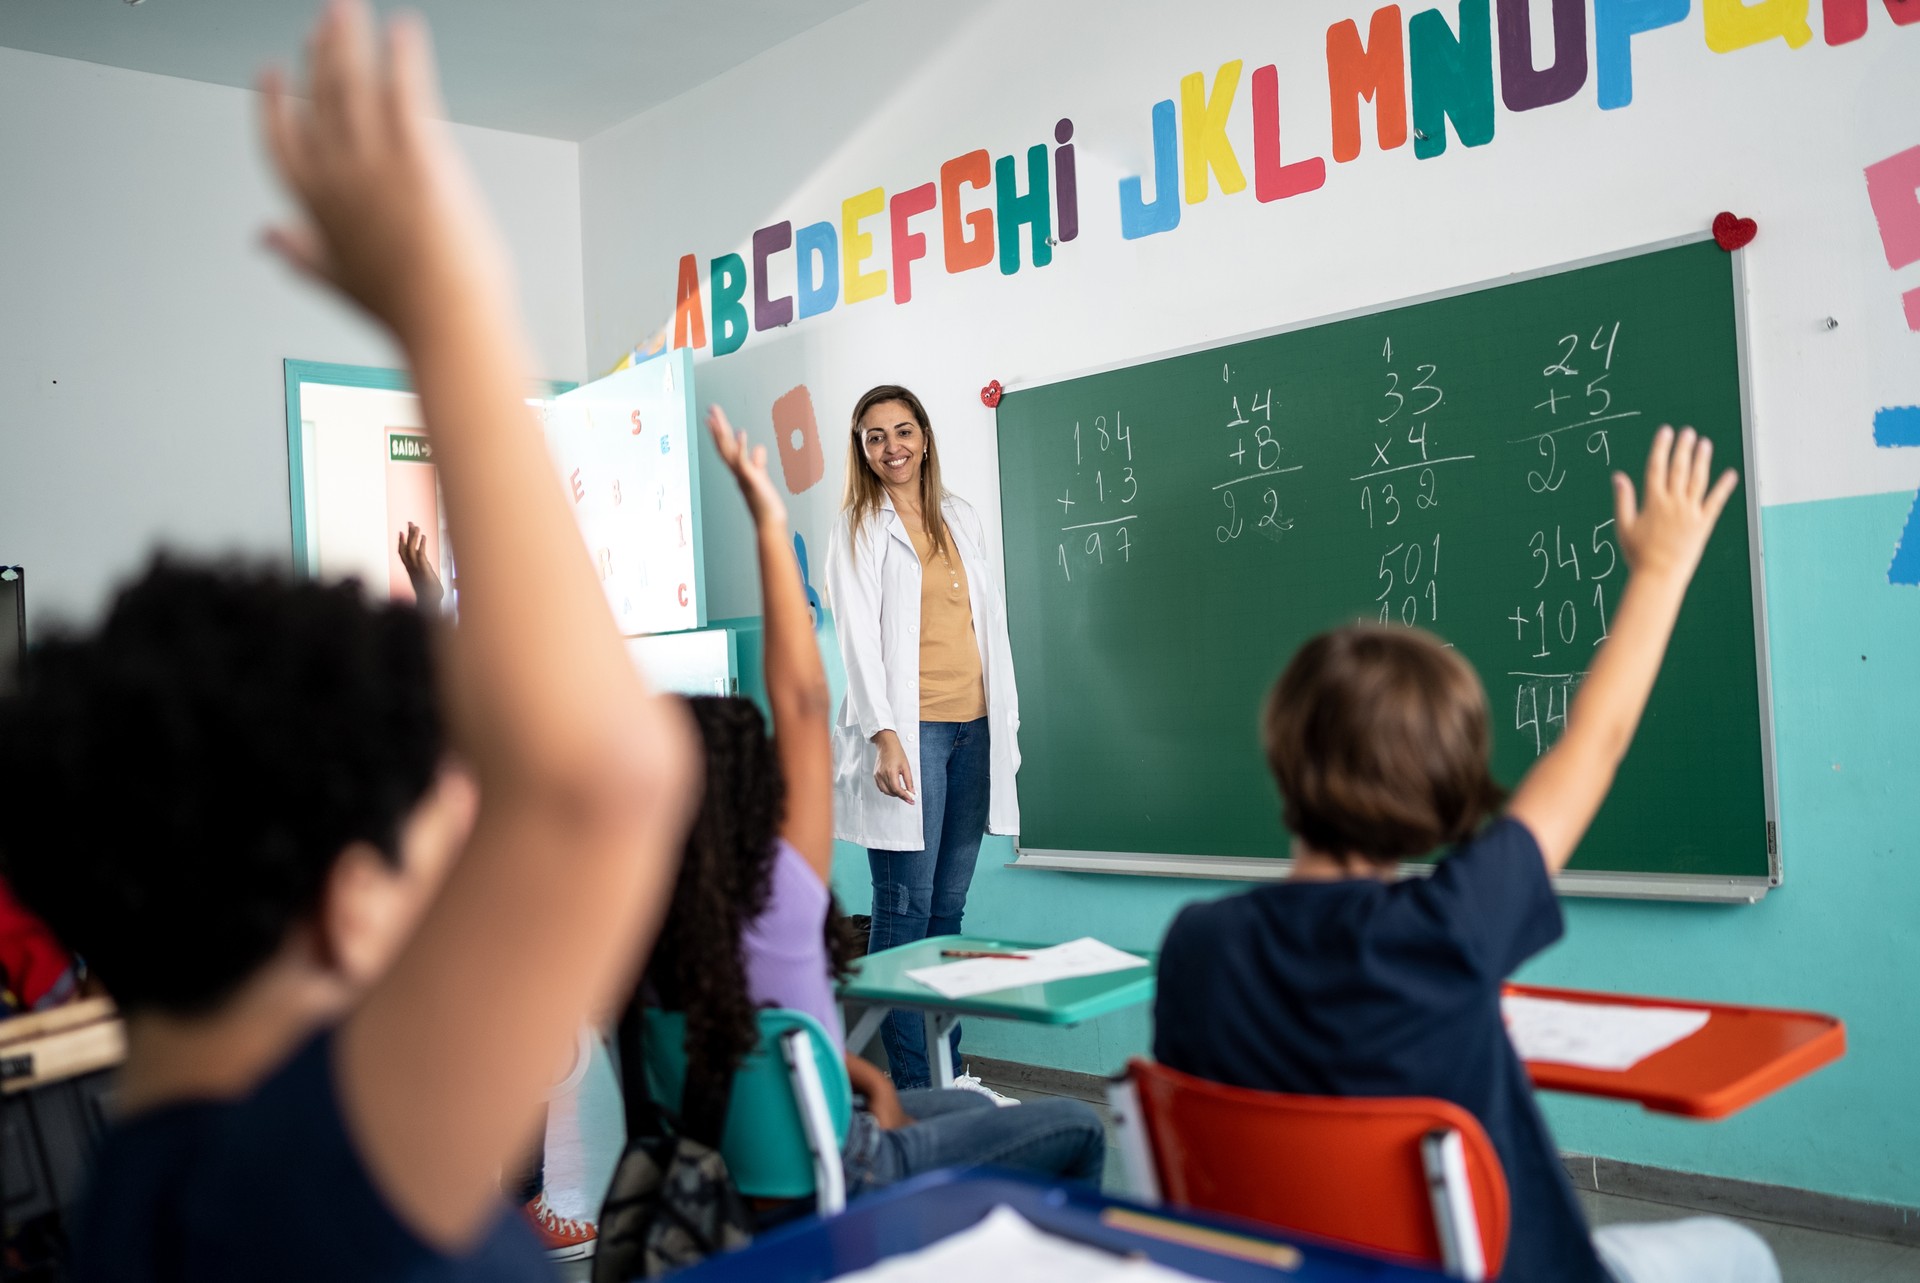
(1738,1056)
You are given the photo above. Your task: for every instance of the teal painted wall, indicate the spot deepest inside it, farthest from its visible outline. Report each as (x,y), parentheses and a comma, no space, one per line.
(1838,937)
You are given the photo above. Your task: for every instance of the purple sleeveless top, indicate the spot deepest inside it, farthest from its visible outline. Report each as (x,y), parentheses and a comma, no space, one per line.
(785,948)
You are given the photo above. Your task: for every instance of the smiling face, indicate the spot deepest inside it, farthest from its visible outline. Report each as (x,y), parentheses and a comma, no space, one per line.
(894,445)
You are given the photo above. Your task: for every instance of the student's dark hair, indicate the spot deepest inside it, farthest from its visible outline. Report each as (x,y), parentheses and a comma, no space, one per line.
(1378,739)
(726,876)
(181,780)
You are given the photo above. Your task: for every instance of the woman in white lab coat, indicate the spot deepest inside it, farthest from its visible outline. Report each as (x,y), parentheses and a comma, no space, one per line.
(926,744)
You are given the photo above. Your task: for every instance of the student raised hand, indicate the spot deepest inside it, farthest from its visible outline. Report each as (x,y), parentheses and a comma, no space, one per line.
(1665,531)
(393,218)
(420,572)
(1662,532)
(587,779)
(797,689)
(748,464)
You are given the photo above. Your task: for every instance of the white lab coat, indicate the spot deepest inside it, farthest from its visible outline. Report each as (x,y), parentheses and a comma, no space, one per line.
(873,582)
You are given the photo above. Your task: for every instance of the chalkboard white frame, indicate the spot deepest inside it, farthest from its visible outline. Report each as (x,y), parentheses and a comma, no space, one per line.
(1594,883)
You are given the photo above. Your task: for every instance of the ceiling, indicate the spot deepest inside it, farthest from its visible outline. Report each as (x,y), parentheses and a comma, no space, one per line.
(556,68)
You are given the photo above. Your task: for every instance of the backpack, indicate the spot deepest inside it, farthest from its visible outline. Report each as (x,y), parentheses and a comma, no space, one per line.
(672,1201)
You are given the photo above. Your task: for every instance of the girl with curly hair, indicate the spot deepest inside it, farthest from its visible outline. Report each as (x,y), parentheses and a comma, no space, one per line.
(753,923)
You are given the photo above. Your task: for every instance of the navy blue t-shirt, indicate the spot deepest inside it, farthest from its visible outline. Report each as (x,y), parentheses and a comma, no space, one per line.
(1366,988)
(269,1186)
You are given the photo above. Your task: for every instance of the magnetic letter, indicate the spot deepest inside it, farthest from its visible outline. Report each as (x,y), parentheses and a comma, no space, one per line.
(1734,24)
(1375,71)
(968,241)
(1452,78)
(769,312)
(1138,217)
(1846,20)
(727,276)
(858,246)
(817,242)
(1203,132)
(1034,209)
(1273,180)
(1615,24)
(1066,181)
(907,245)
(802,462)
(689,321)
(1893,188)
(1522,86)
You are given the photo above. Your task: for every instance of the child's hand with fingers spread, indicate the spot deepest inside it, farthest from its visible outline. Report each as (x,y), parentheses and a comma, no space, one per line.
(393,219)
(420,569)
(1666,531)
(749,467)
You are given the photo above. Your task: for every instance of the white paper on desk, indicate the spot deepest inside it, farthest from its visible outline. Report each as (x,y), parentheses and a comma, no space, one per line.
(1083,957)
(1006,1248)
(1594,1035)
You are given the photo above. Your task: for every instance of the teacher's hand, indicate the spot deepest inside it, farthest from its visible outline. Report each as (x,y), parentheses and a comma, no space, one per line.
(891,773)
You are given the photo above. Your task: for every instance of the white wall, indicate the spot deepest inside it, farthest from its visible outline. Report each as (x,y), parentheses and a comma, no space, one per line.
(889,91)
(142,329)
(885,93)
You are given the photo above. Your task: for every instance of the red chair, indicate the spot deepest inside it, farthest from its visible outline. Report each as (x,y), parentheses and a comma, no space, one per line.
(1414,1177)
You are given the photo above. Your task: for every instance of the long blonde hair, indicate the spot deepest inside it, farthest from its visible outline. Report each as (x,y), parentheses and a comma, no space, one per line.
(864,491)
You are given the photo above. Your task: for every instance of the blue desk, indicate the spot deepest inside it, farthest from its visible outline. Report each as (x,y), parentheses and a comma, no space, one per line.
(928,1208)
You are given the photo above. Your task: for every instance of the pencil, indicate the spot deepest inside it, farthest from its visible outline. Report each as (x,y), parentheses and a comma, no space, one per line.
(1279,1255)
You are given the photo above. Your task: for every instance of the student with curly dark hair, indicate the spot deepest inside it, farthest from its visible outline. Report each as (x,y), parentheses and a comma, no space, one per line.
(754,925)
(354,892)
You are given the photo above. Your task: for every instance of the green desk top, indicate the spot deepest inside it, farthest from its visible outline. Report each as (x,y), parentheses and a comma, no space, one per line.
(881,979)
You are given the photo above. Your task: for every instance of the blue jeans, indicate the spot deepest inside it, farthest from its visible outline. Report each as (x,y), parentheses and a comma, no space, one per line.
(923,893)
(1052,1138)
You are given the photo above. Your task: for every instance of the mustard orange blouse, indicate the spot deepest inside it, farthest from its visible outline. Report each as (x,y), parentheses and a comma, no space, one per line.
(951,687)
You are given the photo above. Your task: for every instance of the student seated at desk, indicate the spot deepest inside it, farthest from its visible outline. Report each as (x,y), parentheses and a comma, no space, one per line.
(1347,981)
(354,896)
(754,925)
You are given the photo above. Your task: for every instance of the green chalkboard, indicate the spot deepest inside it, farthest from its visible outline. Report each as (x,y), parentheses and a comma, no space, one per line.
(1176,527)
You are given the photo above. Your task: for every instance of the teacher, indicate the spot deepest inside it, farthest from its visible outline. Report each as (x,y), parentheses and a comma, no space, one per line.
(925,747)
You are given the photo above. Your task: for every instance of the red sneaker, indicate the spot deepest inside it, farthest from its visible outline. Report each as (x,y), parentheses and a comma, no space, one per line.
(564,1238)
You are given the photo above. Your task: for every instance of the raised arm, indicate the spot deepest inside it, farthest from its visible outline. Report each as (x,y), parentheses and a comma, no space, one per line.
(586,779)
(427,592)
(1662,541)
(796,679)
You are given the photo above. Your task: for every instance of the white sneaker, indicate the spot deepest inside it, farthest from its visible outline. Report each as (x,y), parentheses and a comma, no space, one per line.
(971,1082)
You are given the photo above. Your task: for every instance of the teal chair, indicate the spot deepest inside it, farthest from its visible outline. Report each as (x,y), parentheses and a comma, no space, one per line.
(790,1108)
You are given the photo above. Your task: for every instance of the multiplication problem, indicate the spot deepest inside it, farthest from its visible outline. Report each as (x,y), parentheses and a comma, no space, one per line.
(1090,536)
(1399,488)
(1258,460)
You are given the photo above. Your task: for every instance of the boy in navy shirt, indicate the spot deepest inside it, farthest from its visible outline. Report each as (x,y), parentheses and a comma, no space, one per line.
(1346,981)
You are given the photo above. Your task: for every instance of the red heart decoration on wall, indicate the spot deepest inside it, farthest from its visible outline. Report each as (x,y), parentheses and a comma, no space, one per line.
(1732,232)
(990,395)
